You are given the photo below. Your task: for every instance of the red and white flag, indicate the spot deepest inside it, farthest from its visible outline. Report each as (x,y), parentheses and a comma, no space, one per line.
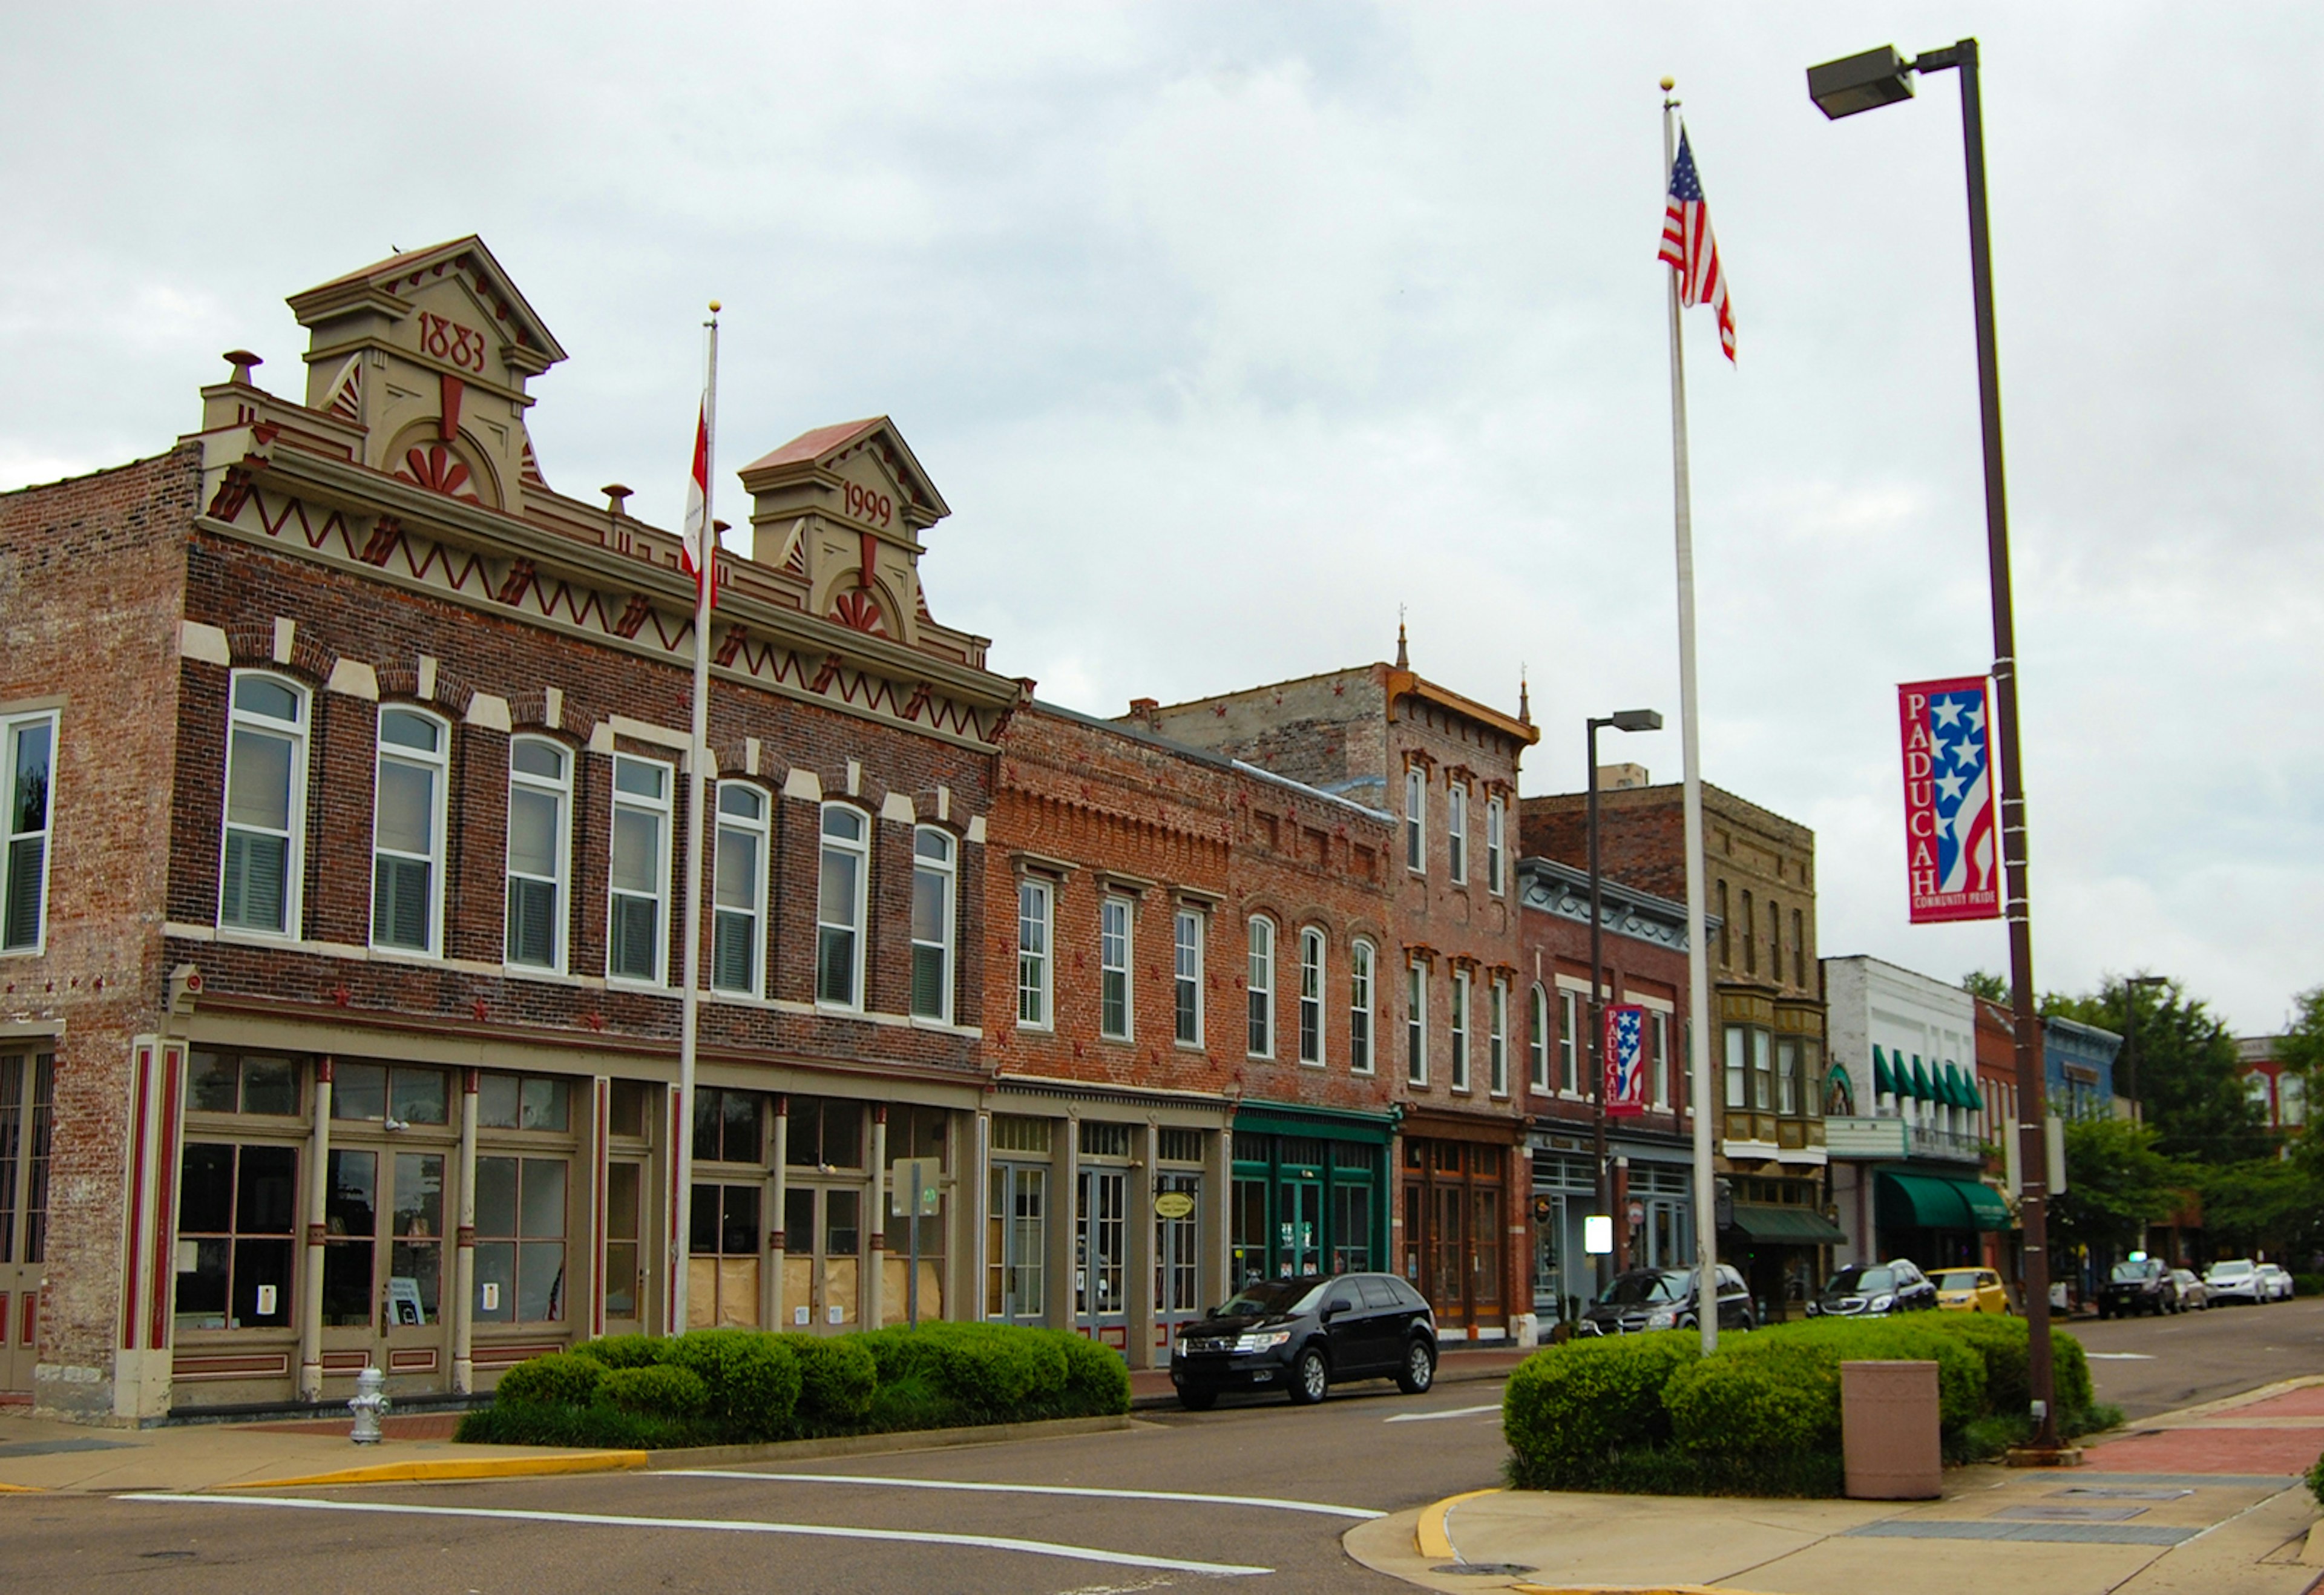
(1690,249)
(698,533)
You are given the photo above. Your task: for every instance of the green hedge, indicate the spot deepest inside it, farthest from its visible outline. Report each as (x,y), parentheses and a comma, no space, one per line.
(2308,1285)
(734,1386)
(1761,1414)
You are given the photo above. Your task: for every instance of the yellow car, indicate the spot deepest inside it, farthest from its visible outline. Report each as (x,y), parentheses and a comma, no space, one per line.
(1971,1290)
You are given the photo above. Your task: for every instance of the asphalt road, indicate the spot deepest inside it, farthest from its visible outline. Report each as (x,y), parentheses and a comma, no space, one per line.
(2150,1365)
(1367,1450)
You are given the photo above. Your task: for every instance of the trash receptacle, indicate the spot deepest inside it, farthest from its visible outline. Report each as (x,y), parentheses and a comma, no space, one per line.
(1888,1427)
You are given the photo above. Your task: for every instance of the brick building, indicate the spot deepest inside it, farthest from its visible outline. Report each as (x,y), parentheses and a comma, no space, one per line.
(1445,767)
(1769,1045)
(343,1021)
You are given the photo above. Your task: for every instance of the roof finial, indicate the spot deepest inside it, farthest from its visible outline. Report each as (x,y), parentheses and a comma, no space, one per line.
(1525,701)
(1403,659)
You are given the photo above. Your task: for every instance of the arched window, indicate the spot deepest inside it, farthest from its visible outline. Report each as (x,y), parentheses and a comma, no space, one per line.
(737,932)
(839,899)
(1262,988)
(1537,1042)
(265,843)
(934,891)
(407,831)
(540,811)
(1310,996)
(1361,1010)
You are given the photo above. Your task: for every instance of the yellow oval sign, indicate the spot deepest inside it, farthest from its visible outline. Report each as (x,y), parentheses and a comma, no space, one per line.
(1173,1204)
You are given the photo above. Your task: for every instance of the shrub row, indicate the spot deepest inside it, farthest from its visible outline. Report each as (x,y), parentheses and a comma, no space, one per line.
(723,1387)
(1650,1412)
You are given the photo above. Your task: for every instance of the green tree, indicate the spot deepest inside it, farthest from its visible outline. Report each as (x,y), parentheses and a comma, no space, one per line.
(2189,1088)
(1985,984)
(2116,1184)
(2270,1204)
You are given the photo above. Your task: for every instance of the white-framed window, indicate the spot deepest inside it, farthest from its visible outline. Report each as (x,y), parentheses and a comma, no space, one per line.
(28,745)
(1458,1037)
(264,864)
(1658,1039)
(1493,854)
(407,831)
(739,897)
(1261,983)
(1415,1024)
(936,892)
(1033,904)
(1416,820)
(637,939)
(1311,995)
(1187,966)
(540,831)
(1496,1040)
(1113,969)
(1537,1041)
(1456,832)
(841,879)
(1569,1042)
(1361,1006)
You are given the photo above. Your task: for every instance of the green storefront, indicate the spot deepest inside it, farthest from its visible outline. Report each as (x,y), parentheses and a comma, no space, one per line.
(1311,1191)
(1935,1219)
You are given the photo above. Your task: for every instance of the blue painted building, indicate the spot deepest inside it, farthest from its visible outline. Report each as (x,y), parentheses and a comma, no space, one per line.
(2078,1069)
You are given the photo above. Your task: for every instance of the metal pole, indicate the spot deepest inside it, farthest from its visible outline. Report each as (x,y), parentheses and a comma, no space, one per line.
(1597,1013)
(1698,967)
(912,1280)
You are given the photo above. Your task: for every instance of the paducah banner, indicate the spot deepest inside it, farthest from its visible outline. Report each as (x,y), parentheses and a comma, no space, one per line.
(1626,1060)
(1952,843)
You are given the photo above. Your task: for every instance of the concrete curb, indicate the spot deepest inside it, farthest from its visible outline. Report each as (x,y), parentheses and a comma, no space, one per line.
(2251,1397)
(1431,1536)
(584,1462)
(850,1445)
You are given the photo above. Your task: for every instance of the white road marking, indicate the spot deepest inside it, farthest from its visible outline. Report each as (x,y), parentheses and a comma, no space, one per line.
(2120,1356)
(1360,1514)
(805,1530)
(1458,1412)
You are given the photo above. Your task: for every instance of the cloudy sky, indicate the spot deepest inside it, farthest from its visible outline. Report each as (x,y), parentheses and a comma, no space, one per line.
(1228,329)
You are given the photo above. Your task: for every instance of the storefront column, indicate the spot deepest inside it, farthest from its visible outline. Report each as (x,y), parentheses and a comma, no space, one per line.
(1138,1255)
(875,1223)
(310,1271)
(464,1257)
(601,1108)
(1217,1283)
(978,1217)
(778,1190)
(1067,1160)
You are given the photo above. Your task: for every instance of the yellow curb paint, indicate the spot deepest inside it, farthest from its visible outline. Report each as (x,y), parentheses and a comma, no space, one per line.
(1623,1589)
(21,1489)
(1430,1535)
(588,1461)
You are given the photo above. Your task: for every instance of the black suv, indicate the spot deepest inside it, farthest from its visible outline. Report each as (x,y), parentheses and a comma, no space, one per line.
(1302,1336)
(2144,1286)
(1875,1290)
(1664,1298)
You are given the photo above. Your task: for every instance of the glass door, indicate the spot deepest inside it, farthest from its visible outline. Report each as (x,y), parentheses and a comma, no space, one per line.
(1016,1243)
(1100,1246)
(27,1121)
(625,1279)
(1177,1255)
(823,1251)
(1299,1228)
(384,1264)
(723,1257)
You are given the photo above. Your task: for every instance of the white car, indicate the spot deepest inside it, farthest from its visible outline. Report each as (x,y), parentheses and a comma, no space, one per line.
(2275,1281)
(2238,1280)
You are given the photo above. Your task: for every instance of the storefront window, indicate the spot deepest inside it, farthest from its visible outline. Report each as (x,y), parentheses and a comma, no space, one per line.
(230,1083)
(521,1239)
(236,1208)
(525,1102)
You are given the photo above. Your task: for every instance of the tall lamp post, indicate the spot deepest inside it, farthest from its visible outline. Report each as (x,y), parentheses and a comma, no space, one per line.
(2130,985)
(1842,88)
(1620,719)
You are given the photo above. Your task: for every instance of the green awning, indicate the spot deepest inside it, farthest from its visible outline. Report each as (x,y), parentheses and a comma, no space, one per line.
(1839,1087)
(1950,1092)
(1786,1226)
(1931,1201)
(1921,1086)
(1884,1083)
(1975,1097)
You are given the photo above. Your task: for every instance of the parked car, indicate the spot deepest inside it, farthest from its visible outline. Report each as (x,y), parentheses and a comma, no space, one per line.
(1971,1290)
(2235,1280)
(1874,1290)
(1639,1299)
(2138,1284)
(2275,1281)
(2192,1292)
(1302,1336)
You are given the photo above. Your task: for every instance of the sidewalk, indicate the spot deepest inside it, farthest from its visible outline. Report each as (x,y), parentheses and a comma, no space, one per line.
(2204,1501)
(1455,1365)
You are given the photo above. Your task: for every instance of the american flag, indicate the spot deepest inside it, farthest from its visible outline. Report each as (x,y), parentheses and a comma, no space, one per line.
(1625,1067)
(1689,248)
(1964,790)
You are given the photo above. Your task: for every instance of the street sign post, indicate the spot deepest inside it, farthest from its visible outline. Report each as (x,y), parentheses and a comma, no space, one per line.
(913,1194)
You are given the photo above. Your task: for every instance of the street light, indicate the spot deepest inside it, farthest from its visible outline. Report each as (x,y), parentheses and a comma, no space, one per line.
(1842,88)
(1620,719)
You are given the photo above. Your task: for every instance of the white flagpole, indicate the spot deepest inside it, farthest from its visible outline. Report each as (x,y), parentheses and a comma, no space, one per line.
(681,1207)
(1698,967)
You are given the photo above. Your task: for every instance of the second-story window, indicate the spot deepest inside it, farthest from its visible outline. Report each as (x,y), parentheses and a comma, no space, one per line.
(28,746)
(1459,1037)
(639,883)
(407,845)
(1787,1074)
(1456,832)
(839,900)
(935,888)
(739,912)
(1113,969)
(265,806)
(539,801)
(1310,996)
(1416,807)
(1033,904)
(1569,1043)
(1496,1040)
(1186,956)
(1537,1041)
(1262,988)
(1415,1024)
(1658,1039)
(1493,815)
(1750,937)
(1360,1007)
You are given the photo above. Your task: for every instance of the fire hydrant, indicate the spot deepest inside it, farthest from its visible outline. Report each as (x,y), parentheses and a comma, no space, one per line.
(369,1400)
